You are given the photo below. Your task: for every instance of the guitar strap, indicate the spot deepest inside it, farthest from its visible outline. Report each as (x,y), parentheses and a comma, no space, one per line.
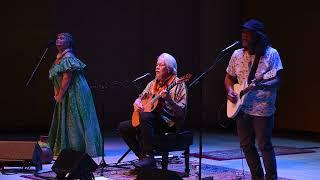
(157,87)
(254,68)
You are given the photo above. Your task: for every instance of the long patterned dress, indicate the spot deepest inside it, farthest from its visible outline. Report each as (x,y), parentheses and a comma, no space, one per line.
(74,124)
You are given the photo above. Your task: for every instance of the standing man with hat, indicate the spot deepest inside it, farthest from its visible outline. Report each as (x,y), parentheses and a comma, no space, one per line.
(256,117)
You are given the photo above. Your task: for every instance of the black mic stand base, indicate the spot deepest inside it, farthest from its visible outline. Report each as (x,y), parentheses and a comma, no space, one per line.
(123,156)
(102,165)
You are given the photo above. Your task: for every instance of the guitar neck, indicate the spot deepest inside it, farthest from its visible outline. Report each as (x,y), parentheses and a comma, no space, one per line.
(246,90)
(171,86)
(168,89)
(252,85)
(270,75)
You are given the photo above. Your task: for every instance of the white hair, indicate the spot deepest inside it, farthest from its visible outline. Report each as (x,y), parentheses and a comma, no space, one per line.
(170,62)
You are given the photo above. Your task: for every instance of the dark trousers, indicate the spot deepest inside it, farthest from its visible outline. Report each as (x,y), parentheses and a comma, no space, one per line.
(139,139)
(129,135)
(251,128)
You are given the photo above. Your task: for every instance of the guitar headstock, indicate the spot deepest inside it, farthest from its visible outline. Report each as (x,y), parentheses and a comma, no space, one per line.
(270,74)
(184,78)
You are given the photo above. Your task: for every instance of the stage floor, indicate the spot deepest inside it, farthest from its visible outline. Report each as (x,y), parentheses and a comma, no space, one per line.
(295,166)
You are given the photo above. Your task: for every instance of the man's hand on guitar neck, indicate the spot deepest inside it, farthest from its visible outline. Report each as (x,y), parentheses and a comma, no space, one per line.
(138,105)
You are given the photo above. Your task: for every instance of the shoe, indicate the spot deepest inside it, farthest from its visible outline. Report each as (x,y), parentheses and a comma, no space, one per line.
(146,162)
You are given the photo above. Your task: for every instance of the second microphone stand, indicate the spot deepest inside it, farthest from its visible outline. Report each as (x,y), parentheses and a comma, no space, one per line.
(196,81)
(102,87)
(103,163)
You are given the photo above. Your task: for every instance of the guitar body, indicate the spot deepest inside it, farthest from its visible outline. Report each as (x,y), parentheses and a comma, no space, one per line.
(135,118)
(242,90)
(149,104)
(154,103)
(234,108)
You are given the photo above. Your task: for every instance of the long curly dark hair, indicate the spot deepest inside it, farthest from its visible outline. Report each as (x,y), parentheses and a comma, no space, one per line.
(261,43)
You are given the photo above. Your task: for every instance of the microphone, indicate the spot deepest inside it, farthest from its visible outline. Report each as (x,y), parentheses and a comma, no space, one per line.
(234,44)
(50,42)
(141,77)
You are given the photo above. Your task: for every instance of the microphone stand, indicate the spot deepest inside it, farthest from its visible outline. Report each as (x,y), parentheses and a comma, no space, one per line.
(138,88)
(196,81)
(102,88)
(42,57)
(103,163)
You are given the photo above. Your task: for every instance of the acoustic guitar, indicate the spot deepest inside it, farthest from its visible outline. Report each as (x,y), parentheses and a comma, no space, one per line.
(151,103)
(243,89)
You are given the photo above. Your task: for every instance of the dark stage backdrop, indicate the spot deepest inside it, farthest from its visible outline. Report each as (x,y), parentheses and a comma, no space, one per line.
(25,30)
(120,40)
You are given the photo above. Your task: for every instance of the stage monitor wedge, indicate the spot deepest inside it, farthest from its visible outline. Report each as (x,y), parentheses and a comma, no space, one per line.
(74,164)
(27,153)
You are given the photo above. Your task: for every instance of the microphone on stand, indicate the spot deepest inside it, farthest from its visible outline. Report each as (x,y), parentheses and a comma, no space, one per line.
(231,46)
(141,77)
(50,43)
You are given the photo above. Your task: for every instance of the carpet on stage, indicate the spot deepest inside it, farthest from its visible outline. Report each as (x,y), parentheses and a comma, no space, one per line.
(121,172)
(230,154)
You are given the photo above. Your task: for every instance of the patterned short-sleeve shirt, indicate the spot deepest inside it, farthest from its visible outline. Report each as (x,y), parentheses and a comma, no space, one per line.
(258,102)
(178,94)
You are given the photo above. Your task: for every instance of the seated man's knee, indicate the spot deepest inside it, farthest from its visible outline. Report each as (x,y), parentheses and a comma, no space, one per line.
(143,116)
(146,117)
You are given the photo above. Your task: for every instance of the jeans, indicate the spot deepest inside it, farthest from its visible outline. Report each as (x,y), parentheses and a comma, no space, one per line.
(256,128)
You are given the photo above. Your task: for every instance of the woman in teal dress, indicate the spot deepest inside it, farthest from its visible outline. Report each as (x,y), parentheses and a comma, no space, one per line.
(74,124)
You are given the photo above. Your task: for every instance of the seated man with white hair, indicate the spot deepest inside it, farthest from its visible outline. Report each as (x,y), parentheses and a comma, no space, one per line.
(167,117)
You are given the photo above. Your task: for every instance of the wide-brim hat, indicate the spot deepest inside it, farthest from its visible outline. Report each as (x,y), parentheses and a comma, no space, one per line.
(253,25)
